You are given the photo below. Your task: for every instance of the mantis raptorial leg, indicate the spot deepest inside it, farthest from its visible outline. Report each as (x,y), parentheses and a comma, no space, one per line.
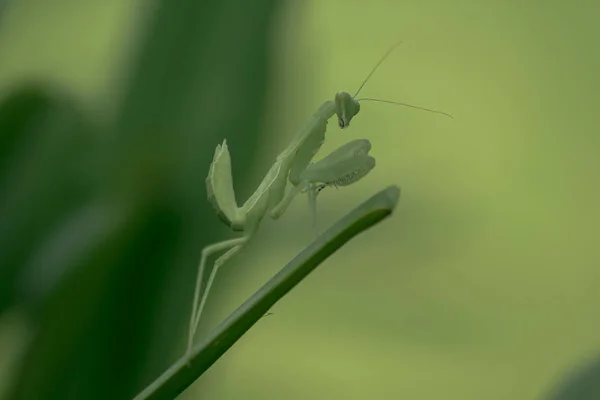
(344,166)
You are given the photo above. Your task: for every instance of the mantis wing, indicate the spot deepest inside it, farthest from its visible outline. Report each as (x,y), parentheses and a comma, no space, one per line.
(219,187)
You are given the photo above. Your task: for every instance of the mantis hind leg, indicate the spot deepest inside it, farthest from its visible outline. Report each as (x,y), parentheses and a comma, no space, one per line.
(232,244)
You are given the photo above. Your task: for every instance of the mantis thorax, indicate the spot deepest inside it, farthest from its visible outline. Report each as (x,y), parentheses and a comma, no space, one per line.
(345,108)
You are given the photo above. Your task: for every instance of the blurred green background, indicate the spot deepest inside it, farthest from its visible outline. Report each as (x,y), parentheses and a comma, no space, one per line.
(483,285)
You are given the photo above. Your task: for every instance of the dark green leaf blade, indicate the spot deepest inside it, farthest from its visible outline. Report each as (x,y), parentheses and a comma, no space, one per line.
(582,383)
(184,372)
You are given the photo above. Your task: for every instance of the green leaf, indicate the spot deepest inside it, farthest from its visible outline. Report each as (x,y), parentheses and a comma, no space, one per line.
(43,137)
(582,383)
(185,371)
(130,249)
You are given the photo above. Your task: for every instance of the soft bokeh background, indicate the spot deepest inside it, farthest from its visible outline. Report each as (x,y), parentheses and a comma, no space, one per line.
(484,284)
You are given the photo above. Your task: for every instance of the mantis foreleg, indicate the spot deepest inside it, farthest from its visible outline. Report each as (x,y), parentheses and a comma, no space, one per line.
(345,165)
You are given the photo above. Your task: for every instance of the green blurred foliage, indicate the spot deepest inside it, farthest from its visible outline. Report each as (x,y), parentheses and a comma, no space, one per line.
(483,285)
(102,212)
(580,383)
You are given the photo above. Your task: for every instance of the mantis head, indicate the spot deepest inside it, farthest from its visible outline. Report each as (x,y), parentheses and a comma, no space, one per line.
(345,108)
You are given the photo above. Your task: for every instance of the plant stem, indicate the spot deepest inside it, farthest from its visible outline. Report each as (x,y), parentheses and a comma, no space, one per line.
(186,370)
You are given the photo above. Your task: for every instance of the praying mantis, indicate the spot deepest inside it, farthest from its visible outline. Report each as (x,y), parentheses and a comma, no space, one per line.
(343,167)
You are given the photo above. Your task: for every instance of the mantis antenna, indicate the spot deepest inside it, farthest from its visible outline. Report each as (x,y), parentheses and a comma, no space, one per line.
(381,60)
(406,105)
